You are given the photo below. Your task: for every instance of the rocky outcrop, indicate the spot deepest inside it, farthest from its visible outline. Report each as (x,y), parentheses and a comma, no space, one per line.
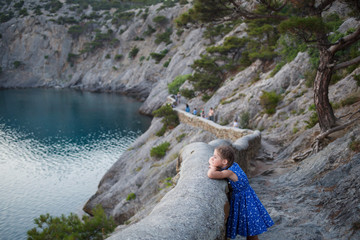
(316,199)
(194,208)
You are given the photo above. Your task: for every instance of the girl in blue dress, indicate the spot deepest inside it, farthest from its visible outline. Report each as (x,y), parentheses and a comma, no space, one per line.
(247,216)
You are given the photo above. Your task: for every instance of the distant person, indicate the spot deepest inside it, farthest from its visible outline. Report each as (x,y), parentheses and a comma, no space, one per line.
(187,109)
(178,98)
(247,216)
(235,123)
(211,114)
(195,111)
(202,113)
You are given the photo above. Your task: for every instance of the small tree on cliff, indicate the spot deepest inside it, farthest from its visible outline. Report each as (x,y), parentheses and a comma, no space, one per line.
(305,20)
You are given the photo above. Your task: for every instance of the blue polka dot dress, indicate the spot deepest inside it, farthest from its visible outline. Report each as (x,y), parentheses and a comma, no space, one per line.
(247,217)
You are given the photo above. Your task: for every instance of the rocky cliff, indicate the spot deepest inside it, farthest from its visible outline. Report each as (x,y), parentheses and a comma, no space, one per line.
(317,198)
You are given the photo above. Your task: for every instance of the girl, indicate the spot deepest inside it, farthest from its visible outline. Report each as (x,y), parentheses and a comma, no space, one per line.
(247,216)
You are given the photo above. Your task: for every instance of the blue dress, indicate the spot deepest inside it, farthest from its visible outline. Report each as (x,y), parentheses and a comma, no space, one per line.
(247,217)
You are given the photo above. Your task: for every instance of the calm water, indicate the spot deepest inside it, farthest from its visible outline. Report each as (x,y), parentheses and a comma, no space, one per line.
(55,145)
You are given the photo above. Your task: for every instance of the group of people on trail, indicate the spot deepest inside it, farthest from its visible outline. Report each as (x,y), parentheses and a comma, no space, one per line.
(202,114)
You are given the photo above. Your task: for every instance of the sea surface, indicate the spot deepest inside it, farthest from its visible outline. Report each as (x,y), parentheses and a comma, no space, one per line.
(55,146)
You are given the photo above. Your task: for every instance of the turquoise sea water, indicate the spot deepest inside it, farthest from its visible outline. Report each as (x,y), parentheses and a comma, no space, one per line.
(55,145)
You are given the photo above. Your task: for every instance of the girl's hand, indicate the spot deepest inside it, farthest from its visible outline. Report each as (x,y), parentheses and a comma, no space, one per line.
(212,167)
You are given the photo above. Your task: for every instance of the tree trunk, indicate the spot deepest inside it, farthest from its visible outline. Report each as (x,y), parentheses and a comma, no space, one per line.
(326,116)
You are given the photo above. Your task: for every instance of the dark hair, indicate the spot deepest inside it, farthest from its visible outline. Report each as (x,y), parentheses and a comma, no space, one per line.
(228,153)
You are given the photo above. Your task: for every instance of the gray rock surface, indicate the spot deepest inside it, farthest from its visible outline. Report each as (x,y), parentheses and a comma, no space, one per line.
(318,198)
(181,213)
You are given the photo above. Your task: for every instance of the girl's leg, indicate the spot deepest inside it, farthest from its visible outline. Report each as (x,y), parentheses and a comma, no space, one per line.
(252,237)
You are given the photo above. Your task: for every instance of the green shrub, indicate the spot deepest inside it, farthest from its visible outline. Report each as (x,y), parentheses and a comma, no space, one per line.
(72,57)
(53,6)
(158,56)
(19,5)
(310,78)
(162,131)
(67,20)
(354,145)
(183,19)
(313,120)
(160,150)
(179,32)
(76,30)
(213,31)
(99,41)
(160,20)
(244,120)
(23,12)
(118,57)
(137,38)
(17,64)
(174,86)
(167,182)
(6,16)
(180,137)
(37,10)
(122,18)
(269,101)
(349,100)
(130,196)
(167,4)
(71,227)
(188,93)
(166,64)
(164,37)
(277,68)
(133,52)
(357,79)
(150,30)
(170,118)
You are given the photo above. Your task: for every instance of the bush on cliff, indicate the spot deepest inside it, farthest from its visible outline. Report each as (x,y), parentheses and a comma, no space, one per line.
(269,101)
(71,227)
(174,86)
(170,118)
(160,150)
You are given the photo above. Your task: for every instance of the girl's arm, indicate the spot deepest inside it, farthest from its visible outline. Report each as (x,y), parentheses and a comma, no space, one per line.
(214,174)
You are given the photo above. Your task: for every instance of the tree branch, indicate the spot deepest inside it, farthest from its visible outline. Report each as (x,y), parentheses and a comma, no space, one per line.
(335,129)
(345,64)
(345,41)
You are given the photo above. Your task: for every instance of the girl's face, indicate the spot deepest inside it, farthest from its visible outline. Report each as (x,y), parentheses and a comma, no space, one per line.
(217,161)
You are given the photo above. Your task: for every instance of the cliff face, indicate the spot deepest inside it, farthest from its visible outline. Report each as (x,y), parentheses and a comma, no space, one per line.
(48,56)
(290,190)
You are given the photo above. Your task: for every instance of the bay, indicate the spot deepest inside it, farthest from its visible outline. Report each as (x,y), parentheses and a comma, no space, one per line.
(55,145)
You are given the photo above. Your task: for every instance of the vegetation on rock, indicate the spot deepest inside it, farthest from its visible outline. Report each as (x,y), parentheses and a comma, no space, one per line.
(170,118)
(72,227)
(174,86)
(160,150)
